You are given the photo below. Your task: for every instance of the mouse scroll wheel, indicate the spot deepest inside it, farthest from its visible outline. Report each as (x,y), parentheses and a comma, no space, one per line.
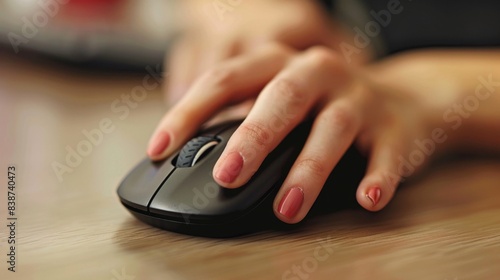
(194,150)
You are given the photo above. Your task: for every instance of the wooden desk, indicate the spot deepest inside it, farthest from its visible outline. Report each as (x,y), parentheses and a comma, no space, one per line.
(444,226)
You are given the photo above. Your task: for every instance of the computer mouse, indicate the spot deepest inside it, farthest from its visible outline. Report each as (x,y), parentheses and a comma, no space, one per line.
(179,193)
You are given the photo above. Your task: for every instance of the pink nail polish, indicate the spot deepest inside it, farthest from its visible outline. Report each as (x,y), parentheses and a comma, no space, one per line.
(291,202)
(230,168)
(374,194)
(159,144)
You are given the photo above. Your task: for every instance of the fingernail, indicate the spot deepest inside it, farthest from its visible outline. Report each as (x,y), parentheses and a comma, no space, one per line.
(158,144)
(373,194)
(230,168)
(291,202)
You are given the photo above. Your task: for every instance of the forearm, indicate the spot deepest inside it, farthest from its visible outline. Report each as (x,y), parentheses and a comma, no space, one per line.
(461,87)
(474,117)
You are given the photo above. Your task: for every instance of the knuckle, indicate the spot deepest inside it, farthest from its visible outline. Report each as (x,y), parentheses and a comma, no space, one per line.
(341,118)
(320,56)
(289,92)
(220,76)
(278,49)
(257,133)
(313,165)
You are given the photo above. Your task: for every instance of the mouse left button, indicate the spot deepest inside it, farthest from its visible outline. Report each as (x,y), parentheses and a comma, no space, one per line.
(137,189)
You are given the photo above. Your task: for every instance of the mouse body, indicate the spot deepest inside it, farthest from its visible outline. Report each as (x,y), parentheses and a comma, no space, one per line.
(179,193)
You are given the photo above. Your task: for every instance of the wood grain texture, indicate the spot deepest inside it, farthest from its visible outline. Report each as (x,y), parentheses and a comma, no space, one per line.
(445,225)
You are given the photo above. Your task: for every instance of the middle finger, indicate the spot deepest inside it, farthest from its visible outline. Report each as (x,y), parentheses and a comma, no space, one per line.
(280,107)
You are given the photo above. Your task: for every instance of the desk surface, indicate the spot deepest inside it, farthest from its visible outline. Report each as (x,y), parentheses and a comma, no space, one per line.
(446,225)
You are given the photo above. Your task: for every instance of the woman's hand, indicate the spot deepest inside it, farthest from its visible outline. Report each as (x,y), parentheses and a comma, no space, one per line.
(385,117)
(215,32)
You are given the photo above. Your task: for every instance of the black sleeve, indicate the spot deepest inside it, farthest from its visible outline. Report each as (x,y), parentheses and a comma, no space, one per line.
(444,23)
(327,4)
(420,24)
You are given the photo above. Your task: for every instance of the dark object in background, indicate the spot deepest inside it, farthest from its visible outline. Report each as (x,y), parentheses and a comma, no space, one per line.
(176,196)
(392,26)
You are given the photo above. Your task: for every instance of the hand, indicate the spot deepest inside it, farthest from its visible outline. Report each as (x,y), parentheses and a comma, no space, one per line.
(348,105)
(214,34)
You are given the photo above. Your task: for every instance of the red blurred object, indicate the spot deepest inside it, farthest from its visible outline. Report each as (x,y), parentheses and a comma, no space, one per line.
(93,3)
(91,12)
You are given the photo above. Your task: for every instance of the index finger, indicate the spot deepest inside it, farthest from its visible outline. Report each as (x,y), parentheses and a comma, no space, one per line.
(231,82)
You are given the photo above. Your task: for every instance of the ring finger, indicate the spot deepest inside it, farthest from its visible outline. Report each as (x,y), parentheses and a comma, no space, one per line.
(333,131)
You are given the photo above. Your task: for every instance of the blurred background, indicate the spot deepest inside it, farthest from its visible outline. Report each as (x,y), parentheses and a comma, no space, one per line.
(118,34)
(64,63)
(68,67)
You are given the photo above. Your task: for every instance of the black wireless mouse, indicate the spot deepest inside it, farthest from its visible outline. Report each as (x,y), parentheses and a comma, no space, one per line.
(180,195)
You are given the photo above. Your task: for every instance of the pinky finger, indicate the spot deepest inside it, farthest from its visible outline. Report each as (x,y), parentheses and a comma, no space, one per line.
(382,177)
